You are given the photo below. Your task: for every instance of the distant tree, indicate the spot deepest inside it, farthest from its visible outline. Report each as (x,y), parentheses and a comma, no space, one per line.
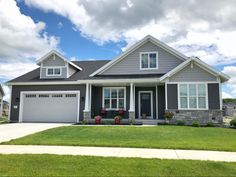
(229,100)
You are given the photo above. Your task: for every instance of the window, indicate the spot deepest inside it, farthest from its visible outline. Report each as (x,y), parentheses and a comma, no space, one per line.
(53,71)
(57,95)
(148,60)
(43,95)
(114,98)
(192,96)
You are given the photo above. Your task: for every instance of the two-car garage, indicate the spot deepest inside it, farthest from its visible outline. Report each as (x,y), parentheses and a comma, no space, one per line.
(49,106)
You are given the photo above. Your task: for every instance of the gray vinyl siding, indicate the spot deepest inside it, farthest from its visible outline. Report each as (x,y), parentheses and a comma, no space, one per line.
(96,105)
(51,62)
(161,101)
(15,100)
(137,89)
(213,96)
(195,74)
(131,63)
(72,70)
(44,74)
(172,96)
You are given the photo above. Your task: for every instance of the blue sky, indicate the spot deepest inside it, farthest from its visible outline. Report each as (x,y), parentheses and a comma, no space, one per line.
(71,42)
(102,29)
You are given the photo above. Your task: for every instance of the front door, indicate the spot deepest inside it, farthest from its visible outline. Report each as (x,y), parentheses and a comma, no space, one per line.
(145,104)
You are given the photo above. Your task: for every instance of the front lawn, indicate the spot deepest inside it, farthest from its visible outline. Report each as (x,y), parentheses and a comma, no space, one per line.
(54,165)
(168,137)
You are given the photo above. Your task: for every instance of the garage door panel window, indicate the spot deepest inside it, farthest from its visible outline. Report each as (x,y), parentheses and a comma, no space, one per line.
(57,95)
(114,98)
(192,96)
(43,95)
(30,95)
(70,95)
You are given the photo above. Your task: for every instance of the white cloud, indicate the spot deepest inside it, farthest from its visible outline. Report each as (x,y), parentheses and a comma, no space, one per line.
(12,70)
(189,26)
(226,95)
(20,37)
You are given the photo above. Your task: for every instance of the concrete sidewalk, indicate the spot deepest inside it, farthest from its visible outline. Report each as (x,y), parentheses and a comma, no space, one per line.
(120,152)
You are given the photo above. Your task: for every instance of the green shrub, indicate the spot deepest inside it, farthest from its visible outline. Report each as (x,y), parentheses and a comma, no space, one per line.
(106,122)
(195,123)
(233,122)
(210,124)
(181,122)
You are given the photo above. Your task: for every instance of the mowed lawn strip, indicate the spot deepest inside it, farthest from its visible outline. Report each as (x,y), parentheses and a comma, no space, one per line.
(54,165)
(167,137)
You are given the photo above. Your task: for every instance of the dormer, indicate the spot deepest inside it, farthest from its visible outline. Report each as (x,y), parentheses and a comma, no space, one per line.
(55,66)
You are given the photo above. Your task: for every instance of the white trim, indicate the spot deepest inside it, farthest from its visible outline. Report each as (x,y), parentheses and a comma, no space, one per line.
(22,93)
(90,97)
(96,81)
(148,38)
(131,103)
(166,100)
(140,60)
(196,83)
(110,109)
(9,113)
(54,68)
(67,70)
(54,52)
(157,111)
(139,105)
(86,109)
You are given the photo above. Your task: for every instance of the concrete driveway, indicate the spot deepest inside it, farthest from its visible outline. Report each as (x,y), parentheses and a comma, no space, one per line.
(17,130)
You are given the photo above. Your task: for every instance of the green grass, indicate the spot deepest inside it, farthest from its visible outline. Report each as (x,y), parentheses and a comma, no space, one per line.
(167,137)
(54,165)
(3,120)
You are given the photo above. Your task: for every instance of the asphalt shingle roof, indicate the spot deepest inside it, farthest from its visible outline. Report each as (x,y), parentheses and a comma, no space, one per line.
(88,68)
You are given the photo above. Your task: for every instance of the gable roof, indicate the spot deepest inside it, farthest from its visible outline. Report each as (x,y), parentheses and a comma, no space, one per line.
(88,68)
(199,63)
(146,39)
(39,61)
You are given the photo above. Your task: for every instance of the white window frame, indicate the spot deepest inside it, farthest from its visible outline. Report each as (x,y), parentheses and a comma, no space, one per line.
(54,68)
(103,98)
(140,60)
(196,83)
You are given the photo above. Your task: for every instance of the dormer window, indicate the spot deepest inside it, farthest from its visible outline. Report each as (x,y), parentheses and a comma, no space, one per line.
(148,60)
(54,71)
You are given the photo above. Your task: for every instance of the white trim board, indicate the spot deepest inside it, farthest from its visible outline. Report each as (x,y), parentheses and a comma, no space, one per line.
(22,93)
(139,104)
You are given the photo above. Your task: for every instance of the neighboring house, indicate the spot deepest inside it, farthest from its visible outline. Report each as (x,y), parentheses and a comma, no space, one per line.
(229,109)
(146,80)
(5,109)
(1,100)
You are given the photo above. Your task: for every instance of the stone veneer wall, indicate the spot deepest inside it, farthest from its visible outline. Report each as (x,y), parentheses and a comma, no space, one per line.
(202,116)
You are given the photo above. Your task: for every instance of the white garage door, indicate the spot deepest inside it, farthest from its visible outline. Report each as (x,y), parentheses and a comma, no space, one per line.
(49,107)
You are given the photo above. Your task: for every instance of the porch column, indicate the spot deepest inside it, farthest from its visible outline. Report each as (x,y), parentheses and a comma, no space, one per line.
(131,103)
(87,112)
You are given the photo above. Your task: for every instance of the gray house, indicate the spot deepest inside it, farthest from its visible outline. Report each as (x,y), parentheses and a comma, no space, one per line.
(147,80)
(1,100)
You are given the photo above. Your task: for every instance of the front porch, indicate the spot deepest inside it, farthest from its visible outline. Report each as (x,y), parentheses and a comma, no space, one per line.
(141,102)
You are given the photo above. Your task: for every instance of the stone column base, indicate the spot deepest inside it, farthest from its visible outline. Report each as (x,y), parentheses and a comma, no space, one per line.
(87,115)
(131,116)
